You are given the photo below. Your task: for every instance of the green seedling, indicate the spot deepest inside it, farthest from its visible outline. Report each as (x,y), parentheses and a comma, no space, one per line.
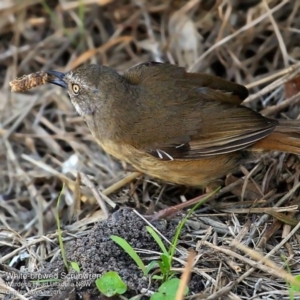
(52,15)
(183,221)
(74,265)
(111,284)
(165,263)
(296,288)
(81,10)
(59,232)
(130,251)
(292,287)
(59,24)
(168,290)
(157,239)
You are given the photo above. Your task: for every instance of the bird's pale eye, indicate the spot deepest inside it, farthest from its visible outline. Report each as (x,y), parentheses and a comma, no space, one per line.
(75,88)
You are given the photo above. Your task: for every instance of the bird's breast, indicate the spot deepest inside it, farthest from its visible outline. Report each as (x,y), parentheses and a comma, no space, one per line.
(193,172)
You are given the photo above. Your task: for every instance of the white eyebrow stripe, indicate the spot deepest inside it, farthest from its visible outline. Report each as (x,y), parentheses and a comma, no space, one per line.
(77,108)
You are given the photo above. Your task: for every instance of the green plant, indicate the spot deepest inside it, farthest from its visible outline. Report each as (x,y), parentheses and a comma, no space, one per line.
(130,251)
(292,287)
(52,15)
(165,262)
(166,257)
(74,265)
(111,284)
(81,17)
(59,24)
(67,264)
(169,287)
(59,232)
(168,290)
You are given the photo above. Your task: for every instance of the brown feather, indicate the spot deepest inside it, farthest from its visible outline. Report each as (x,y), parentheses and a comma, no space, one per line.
(196,115)
(285,138)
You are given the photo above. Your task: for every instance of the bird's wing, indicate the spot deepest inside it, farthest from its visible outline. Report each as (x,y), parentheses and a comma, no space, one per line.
(148,72)
(188,116)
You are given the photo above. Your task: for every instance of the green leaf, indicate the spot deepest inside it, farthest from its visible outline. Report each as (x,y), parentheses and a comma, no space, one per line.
(157,239)
(165,265)
(59,232)
(168,290)
(74,265)
(153,264)
(166,259)
(157,277)
(111,284)
(162,267)
(294,287)
(130,251)
(183,221)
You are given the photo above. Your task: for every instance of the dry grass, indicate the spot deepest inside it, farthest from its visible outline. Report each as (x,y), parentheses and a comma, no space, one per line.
(44,143)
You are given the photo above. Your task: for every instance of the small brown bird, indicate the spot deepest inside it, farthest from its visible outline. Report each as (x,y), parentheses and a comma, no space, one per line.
(185,128)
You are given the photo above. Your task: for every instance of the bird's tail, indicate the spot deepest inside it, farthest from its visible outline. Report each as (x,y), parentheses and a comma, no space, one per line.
(285,138)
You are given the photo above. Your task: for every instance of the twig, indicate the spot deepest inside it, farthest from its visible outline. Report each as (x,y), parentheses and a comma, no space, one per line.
(95,192)
(186,275)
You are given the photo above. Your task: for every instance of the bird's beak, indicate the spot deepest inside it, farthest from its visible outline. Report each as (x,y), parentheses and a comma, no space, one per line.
(57,78)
